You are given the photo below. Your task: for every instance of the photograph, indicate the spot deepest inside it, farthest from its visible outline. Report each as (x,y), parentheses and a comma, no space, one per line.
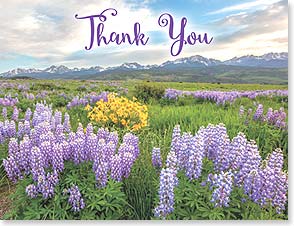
(145,110)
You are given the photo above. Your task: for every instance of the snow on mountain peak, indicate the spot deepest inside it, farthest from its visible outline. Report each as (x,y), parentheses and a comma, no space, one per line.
(266,60)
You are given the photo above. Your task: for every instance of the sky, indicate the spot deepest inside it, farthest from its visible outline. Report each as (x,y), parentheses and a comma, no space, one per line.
(40,33)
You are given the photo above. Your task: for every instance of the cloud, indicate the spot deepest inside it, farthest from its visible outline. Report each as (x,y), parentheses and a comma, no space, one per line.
(48,29)
(243,6)
(256,32)
(273,18)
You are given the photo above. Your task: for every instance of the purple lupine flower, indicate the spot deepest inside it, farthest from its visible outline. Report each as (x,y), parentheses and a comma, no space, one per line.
(276,160)
(71,145)
(25,154)
(58,118)
(66,123)
(220,97)
(57,158)
(4,113)
(268,185)
(269,115)
(78,151)
(102,133)
(27,127)
(253,183)
(280,199)
(276,117)
(237,151)
(75,199)
(66,150)
(113,137)
(176,137)
(37,164)
(92,150)
(171,161)
(45,146)
(2,138)
(45,187)
(250,160)
(125,148)
(196,155)
(222,183)
(166,194)
(115,168)
(32,191)
(75,151)
(53,123)
(34,137)
(100,168)
(28,96)
(5,128)
(132,140)
(46,136)
(8,101)
(46,150)
(127,161)
(258,112)
(53,178)
(276,181)
(216,139)
(59,133)
(108,149)
(87,99)
(89,129)
(28,115)
(20,129)
(13,148)
(220,160)
(15,114)
(11,130)
(80,132)
(184,149)
(156,158)
(12,169)
(172,165)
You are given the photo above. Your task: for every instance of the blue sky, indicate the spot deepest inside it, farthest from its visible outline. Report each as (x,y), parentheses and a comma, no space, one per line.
(42,33)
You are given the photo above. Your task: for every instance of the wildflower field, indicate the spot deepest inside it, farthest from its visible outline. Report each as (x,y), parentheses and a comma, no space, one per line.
(133,150)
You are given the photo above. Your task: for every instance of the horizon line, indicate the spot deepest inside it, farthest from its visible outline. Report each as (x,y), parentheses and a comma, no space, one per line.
(104,67)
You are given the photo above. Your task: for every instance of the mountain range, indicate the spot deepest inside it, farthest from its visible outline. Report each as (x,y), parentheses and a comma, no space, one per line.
(188,69)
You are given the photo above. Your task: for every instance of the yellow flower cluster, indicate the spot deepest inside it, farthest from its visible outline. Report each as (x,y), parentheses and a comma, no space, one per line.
(119,111)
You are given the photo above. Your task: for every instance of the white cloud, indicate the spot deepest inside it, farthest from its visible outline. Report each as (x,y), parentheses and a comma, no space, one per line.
(244,6)
(48,29)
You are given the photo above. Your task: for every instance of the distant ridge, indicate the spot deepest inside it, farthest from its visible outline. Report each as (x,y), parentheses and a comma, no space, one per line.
(193,68)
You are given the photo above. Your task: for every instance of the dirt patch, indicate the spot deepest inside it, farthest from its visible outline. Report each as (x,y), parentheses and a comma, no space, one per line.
(5,202)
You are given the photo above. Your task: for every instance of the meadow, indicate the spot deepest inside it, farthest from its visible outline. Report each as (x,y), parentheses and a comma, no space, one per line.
(193,172)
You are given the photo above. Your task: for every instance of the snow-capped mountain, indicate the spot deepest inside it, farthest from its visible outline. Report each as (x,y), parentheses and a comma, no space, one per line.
(133,65)
(18,71)
(193,61)
(96,68)
(57,69)
(276,56)
(269,60)
(52,70)
(128,66)
(266,60)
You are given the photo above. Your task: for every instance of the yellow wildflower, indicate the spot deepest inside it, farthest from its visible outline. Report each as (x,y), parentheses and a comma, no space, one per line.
(119,111)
